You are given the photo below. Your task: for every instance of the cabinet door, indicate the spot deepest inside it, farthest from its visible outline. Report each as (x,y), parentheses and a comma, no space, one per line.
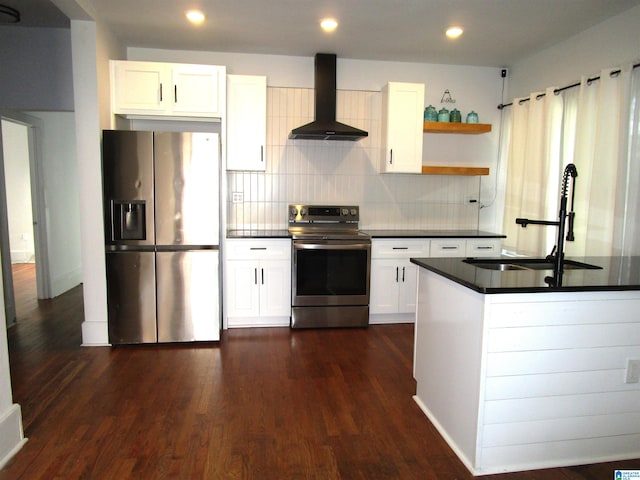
(139,87)
(242,289)
(275,288)
(402,127)
(408,287)
(246,122)
(196,90)
(384,286)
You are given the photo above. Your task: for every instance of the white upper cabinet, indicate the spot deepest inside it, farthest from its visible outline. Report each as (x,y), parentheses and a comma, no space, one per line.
(147,89)
(246,122)
(197,89)
(402,127)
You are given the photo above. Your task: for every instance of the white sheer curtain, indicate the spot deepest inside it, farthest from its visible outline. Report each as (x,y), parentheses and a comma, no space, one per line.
(599,155)
(533,171)
(587,126)
(628,206)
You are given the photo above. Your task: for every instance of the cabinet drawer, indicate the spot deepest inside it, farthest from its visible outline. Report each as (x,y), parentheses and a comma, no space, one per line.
(247,249)
(483,248)
(399,248)
(454,247)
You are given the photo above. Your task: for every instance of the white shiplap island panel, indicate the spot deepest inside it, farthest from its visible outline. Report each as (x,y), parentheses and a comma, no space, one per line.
(532,380)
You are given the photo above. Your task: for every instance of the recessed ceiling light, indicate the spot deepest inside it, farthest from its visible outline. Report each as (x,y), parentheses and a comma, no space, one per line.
(454,32)
(328,24)
(195,16)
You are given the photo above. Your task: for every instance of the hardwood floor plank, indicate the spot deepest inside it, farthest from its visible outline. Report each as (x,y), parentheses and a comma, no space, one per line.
(264,403)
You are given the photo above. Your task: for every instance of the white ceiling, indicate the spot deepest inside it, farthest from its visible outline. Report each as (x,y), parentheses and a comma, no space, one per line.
(497,32)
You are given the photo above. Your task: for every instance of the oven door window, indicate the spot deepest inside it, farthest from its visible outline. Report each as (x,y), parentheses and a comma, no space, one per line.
(332,272)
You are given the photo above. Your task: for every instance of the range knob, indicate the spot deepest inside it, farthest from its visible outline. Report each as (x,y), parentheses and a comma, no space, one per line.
(294,211)
(354,211)
(303,212)
(345,212)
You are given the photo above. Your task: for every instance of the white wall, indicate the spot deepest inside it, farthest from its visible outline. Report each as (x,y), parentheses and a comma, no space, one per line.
(62,201)
(15,144)
(343,173)
(608,44)
(473,88)
(11,432)
(92,46)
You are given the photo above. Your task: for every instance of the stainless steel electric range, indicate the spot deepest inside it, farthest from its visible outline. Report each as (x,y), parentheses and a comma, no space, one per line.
(331,267)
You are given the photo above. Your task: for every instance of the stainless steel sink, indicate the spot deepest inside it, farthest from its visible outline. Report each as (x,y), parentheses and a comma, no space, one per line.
(505,264)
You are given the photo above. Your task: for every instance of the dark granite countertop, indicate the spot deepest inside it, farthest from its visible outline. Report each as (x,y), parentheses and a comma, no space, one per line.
(259,233)
(617,273)
(432,234)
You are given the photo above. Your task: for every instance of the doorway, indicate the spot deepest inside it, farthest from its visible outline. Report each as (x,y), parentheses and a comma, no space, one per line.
(21,230)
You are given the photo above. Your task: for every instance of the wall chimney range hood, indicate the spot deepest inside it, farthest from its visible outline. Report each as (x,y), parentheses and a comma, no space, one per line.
(325,126)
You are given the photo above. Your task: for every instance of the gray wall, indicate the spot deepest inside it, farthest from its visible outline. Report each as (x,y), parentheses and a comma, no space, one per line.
(36,76)
(36,69)
(608,44)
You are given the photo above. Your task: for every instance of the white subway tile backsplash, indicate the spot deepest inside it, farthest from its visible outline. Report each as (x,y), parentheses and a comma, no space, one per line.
(305,171)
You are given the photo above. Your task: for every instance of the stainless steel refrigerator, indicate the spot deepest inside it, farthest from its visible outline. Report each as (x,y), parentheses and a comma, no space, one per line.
(162,204)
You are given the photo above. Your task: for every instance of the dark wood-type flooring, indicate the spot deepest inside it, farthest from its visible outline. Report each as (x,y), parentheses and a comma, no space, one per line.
(263,404)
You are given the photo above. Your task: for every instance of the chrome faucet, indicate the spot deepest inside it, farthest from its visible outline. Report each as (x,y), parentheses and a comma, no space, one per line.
(557,253)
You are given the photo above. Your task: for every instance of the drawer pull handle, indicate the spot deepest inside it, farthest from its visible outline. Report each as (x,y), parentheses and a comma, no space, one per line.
(401,248)
(258,248)
(483,247)
(450,247)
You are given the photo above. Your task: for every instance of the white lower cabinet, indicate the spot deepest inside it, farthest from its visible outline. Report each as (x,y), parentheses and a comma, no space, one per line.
(258,282)
(394,279)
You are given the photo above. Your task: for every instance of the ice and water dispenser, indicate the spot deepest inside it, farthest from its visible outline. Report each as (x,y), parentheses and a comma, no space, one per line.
(128,220)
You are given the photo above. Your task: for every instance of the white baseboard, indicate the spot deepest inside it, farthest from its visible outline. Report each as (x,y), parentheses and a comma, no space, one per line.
(11,434)
(95,334)
(377,318)
(23,256)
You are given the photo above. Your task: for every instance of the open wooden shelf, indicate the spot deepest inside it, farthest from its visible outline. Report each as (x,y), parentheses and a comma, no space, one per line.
(449,127)
(470,171)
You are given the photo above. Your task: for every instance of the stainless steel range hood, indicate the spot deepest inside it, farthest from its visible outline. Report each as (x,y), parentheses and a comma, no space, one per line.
(325,126)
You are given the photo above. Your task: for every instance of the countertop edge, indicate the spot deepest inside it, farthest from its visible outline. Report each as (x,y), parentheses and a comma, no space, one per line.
(376,233)
(426,263)
(373,233)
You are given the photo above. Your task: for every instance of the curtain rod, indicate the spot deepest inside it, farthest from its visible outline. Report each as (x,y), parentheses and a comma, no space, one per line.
(561,89)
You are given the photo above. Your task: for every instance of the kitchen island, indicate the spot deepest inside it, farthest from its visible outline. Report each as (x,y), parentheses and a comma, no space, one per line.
(519,375)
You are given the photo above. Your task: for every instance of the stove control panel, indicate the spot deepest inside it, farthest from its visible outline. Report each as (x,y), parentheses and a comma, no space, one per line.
(323,214)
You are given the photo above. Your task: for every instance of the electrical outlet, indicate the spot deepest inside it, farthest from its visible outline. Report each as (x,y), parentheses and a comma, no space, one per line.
(470,199)
(633,371)
(237,197)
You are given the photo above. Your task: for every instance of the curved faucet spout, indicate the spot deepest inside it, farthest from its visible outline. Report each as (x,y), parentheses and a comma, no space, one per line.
(558,249)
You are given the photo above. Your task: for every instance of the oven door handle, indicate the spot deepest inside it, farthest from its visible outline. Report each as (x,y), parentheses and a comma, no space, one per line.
(330,245)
